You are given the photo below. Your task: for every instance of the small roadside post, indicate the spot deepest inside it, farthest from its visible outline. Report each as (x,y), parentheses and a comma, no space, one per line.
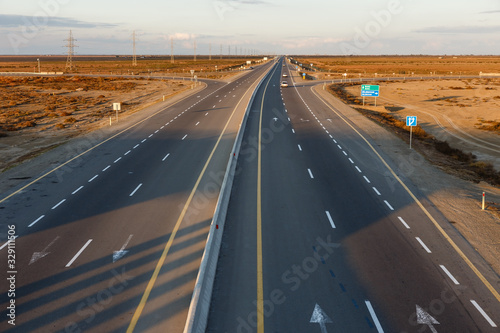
(483,202)
(117,107)
(411,121)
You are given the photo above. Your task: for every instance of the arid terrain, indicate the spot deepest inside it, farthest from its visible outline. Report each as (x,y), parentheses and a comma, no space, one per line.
(382,66)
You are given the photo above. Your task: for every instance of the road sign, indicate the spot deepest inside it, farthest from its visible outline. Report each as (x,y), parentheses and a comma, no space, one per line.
(411,121)
(370,90)
(117,106)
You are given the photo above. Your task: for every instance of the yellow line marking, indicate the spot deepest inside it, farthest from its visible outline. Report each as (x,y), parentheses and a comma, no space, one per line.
(260,279)
(426,212)
(163,256)
(94,147)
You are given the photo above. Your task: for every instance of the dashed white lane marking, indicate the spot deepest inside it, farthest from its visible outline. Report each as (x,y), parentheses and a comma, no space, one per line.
(127,153)
(78,253)
(78,189)
(119,158)
(133,192)
(213,107)
(344,152)
(163,160)
(350,160)
(150,135)
(300,148)
(197,124)
(185,136)
(404,223)
(143,141)
(359,170)
(367,180)
(330,219)
(293,131)
(334,140)
(60,202)
(162,127)
(206,114)
(374,317)
(488,319)
(376,191)
(91,179)
(34,222)
(8,242)
(157,131)
(388,205)
(423,245)
(310,173)
(106,168)
(137,145)
(449,274)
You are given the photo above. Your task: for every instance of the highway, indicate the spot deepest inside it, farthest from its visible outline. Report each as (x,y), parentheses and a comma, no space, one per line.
(111,239)
(323,235)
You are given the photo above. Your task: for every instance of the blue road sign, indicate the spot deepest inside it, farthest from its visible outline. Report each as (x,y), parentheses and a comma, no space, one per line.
(370,90)
(411,121)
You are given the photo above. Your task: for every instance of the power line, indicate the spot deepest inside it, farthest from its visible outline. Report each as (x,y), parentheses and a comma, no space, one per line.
(134,56)
(71,51)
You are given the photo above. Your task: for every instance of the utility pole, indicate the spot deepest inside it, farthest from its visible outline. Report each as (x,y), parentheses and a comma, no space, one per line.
(220,51)
(171,50)
(210,52)
(71,51)
(134,56)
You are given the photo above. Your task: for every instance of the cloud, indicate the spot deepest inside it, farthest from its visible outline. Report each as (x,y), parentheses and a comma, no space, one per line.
(307,42)
(9,21)
(182,36)
(490,12)
(460,30)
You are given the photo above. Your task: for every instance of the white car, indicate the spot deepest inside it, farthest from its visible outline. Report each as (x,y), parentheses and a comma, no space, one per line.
(284,84)
(284,75)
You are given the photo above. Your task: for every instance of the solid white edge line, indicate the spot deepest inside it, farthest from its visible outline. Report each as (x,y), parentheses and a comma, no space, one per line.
(404,223)
(374,316)
(423,245)
(488,319)
(6,243)
(78,189)
(60,202)
(388,205)
(310,173)
(165,157)
(133,192)
(449,274)
(330,218)
(33,223)
(78,253)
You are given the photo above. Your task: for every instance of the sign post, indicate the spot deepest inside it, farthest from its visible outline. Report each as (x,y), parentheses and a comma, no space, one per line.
(117,107)
(411,121)
(369,90)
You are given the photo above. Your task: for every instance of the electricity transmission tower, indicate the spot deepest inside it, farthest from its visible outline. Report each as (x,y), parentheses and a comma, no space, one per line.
(134,56)
(171,50)
(71,51)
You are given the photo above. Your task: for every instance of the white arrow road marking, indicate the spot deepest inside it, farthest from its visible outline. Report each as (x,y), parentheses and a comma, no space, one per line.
(275,119)
(423,318)
(117,255)
(320,317)
(78,253)
(43,253)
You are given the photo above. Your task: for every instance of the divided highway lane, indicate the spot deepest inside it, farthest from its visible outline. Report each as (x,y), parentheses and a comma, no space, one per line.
(320,237)
(113,240)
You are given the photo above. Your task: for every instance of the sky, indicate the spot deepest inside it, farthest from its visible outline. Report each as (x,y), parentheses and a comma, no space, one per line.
(290,27)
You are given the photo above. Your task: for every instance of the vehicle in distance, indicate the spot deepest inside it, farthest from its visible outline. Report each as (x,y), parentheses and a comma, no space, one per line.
(284,75)
(284,84)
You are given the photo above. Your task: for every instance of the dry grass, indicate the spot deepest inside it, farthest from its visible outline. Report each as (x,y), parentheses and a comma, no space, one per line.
(404,65)
(452,159)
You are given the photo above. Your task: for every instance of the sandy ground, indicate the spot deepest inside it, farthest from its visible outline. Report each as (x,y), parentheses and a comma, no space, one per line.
(91,109)
(459,200)
(451,110)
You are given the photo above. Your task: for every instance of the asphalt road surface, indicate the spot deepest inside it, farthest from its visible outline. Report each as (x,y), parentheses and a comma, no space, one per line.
(321,234)
(112,240)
